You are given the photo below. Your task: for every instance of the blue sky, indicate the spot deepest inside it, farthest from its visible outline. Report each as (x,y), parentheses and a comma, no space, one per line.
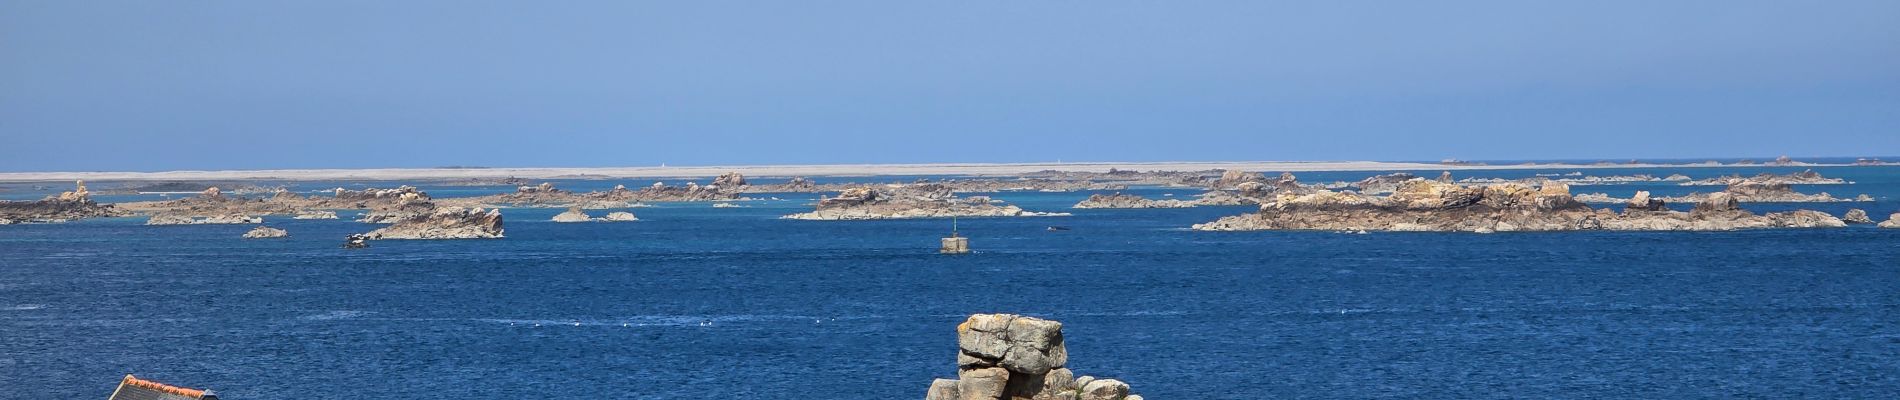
(145,85)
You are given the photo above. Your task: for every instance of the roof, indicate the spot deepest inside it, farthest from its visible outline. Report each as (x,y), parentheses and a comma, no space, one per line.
(133,388)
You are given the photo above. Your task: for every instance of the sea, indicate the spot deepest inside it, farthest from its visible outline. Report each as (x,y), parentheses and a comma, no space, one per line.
(697,302)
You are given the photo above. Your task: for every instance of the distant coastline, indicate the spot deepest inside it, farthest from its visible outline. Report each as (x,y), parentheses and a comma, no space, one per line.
(829,170)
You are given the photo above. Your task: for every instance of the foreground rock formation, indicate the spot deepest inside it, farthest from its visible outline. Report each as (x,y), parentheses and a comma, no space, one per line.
(1005,356)
(65,206)
(265,232)
(1430,205)
(444,223)
(908,201)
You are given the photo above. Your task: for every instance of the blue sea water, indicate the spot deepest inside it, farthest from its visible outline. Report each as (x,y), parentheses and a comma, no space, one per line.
(695,302)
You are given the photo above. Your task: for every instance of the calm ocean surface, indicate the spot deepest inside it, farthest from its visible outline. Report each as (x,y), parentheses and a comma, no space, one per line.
(695,302)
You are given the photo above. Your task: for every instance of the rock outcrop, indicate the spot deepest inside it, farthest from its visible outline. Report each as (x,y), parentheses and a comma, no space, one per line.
(573,214)
(1424,205)
(1893,221)
(1808,177)
(265,232)
(1768,191)
(1642,202)
(1384,183)
(383,204)
(545,195)
(730,180)
(65,206)
(908,201)
(1119,200)
(444,223)
(316,214)
(1005,357)
(1857,216)
(1231,179)
(225,219)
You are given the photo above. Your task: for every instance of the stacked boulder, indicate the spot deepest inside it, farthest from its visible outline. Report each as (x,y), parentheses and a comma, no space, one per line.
(1007,357)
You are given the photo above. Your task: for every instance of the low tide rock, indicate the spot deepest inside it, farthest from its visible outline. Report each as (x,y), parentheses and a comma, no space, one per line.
(265,232)
(573,214)
(1857,216)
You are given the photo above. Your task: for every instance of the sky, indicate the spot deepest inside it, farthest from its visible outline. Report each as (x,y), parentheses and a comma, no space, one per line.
(213,84)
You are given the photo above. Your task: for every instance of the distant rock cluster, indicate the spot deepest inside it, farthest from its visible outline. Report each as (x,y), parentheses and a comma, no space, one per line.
(908,201)
(65,206)
(1433,205)
(1007,356)
(444,223)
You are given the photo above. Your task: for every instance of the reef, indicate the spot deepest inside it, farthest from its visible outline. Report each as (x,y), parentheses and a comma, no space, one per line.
(212,203)
(65,206)
(444,223)
(265,232)
(1119,200)
(1807,177)
(908,201)
(575,214)
(546,195)
(316,214)
(223,219)
(1006,356)
(1430,205)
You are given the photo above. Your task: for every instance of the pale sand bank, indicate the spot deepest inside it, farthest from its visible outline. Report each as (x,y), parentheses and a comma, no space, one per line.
(782,170)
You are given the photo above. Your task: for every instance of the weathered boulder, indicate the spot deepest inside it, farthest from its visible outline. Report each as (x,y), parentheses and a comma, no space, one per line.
(1006,356)
(1105,389)
(982,383)
(729,181)
(1857,216)
(573,214)
(265,232)
(943,389)
(1717,202)
(1021,344)
(1642,202)
(1230,179)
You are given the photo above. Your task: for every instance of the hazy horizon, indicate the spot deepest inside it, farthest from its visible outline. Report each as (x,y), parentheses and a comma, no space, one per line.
(228,85)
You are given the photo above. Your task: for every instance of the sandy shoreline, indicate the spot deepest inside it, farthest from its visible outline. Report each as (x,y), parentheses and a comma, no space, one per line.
(790,170)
